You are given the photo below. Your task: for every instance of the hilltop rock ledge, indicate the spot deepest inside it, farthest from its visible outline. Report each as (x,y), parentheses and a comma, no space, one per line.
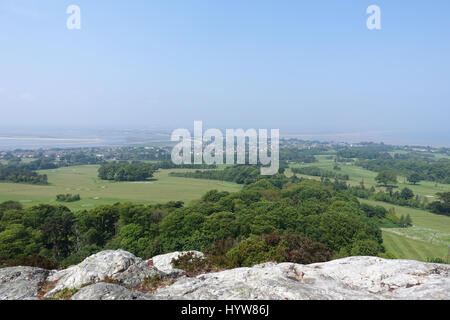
(119,275)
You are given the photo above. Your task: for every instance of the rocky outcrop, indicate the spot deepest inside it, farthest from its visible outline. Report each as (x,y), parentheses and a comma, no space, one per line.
(349,278)
(21,283)
(108,291)
(164,262)
(117,265)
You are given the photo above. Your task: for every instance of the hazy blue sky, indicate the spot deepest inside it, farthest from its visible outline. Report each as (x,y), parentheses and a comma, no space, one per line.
(306,66)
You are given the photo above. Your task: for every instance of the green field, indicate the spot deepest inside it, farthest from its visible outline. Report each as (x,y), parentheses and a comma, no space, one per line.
(357,174)
(405,248)
(83,180)
(428,238)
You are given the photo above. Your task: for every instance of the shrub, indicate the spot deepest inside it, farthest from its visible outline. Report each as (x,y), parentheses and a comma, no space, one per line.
(68,197)
(365,248)
(437,260)
(228,253)
(151,284)
(387,255)
(36,261)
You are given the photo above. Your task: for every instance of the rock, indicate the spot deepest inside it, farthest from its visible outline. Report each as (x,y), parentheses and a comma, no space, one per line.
(21,283)
(108,291)
(164,262)
(118,265)
(136,273)
(349,278)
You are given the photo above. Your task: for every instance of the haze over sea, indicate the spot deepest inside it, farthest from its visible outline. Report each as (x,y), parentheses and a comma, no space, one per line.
(77,138)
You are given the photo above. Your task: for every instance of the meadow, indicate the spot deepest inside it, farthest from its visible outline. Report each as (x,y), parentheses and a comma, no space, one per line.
(357,174)
(83,180)
(429,237)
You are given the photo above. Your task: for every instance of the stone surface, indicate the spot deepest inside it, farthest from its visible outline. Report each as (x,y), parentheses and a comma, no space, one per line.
(136,273)
(108,291)
(349,278)
(118,265)
(21,283)
(164,262)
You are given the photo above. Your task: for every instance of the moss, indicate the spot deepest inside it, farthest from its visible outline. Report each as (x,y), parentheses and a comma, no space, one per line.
(64,294)
(151,284)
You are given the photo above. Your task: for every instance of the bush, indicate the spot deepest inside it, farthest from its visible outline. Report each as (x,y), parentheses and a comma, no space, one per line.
(437,260)
(387,255)
(228,253)
(36,261)
(365,248)
(68,197)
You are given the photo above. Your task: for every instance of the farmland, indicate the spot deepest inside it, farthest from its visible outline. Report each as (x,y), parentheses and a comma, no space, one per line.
(357,174)
(429,237)
(83,180)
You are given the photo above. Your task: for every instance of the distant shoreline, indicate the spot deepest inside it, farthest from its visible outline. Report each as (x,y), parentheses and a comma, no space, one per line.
(52,139)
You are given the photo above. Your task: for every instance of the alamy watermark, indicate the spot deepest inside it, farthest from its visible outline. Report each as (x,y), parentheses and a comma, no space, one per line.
(374,20)
(74,20)
(208,147)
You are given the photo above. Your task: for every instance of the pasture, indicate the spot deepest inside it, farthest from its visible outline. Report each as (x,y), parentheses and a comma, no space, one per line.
(357,174)
(83,180)
(428,238)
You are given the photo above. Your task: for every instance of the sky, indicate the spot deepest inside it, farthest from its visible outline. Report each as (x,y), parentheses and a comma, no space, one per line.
(300,66)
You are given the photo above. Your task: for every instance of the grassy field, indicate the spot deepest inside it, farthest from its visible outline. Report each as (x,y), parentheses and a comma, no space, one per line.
(357,174)
(405,248)
(94,192)
(428,238)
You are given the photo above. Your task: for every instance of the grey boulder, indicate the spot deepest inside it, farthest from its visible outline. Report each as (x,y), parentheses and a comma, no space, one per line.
(21,283)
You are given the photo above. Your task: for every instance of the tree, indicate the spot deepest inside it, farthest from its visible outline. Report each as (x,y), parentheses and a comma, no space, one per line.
(408,220)
(405,221)
(386,178)
(365,248)
(407,194)
(414,178)
(57,231)
(444,197)
(443,205)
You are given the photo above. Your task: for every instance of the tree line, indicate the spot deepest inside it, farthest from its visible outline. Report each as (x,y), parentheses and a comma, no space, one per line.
(437,171)
(240,174)
(318,172)
(21,175)
(125,172)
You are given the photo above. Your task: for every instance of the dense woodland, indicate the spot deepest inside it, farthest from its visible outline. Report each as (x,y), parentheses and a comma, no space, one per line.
(17,174)
(376,158)
(438,171)
(240,174)
(137,171)
(301,155)
(125,172)
(316,221)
